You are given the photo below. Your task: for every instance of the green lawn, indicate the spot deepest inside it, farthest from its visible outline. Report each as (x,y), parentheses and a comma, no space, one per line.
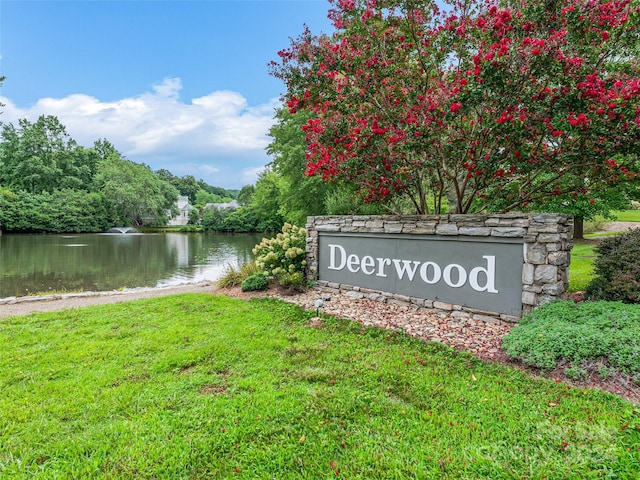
(627,216)
(582,254)
(581,267)
(201,386)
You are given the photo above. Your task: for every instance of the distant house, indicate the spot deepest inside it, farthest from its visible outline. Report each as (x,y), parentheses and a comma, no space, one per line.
(184,208)
(232,204)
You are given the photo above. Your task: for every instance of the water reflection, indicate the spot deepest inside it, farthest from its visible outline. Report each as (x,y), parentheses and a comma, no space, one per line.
(94,262)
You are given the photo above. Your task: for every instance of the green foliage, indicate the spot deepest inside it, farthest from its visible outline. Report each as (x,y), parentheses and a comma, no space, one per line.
(295,281)
(233,277)
(58,186)
(300,195)
(140,196)
(265,202)
(607,333)
(198,191)
(246,195)
(239,220)
(203,386)
(257,281)
(576,374)
(186,186)
(194,217)
(42,157)
(61,211)
(203,197)
(345,201)
(283,254)
(189,229)
(213,219)
(617,269)
(221,192)
(261,214)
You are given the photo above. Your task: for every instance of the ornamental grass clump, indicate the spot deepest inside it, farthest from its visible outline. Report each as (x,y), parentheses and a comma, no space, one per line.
(284,257)
(617,269)
(233,276)
(586,336)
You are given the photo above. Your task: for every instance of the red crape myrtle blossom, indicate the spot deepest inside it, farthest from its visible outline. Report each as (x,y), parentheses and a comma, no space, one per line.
(491,105)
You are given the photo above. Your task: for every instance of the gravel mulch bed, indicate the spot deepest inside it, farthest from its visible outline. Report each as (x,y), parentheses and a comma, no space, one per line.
(480,338)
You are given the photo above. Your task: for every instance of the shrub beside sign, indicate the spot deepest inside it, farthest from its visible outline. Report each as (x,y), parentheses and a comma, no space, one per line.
(483,274)
(480,266)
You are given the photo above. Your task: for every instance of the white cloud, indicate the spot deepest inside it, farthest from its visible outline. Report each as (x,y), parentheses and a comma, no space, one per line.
(198,170)
(250,175)
(170,87)
(218,137)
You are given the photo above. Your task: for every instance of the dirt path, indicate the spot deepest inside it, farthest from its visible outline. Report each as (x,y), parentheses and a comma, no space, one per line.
(619,226)
(52,303)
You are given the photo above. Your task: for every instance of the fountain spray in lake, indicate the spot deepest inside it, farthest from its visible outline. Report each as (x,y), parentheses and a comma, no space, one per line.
(122,230)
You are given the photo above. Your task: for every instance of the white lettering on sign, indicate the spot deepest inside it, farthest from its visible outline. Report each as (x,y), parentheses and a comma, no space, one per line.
(453,275)
(424,272)
(366,264)
(406,268)
(462,275)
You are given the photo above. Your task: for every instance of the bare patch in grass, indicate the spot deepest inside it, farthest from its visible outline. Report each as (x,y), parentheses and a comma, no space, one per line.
(220,389)
(315,322)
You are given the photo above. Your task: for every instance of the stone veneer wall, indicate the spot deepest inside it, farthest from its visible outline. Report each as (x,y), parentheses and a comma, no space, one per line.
(546,239)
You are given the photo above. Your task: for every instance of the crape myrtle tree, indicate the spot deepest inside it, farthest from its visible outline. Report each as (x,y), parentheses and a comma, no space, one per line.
(489,105)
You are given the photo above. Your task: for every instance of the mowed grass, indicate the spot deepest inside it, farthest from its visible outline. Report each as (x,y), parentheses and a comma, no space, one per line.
(201,386)
(581,267)
(581,270)
(627,215)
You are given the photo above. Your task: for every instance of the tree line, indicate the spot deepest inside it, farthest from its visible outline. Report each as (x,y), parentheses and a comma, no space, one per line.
(49,183)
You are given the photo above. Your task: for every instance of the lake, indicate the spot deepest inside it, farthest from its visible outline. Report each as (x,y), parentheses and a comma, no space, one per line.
(31,264)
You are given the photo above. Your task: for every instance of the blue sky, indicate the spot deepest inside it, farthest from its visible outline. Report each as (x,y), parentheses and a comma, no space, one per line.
(181,85)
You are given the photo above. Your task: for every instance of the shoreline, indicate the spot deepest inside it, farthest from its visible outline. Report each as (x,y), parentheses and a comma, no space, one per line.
(26,305)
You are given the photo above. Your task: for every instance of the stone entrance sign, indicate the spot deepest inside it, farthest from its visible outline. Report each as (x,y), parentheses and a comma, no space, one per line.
(484,274)
(482,266)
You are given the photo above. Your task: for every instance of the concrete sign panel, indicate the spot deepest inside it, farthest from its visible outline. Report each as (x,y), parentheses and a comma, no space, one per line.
(476,272)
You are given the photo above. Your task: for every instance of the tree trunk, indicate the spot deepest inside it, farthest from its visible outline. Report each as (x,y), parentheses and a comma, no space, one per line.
(578,226)
(452,199)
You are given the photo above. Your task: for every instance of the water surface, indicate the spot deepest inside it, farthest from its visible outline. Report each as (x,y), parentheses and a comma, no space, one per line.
(95,262)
